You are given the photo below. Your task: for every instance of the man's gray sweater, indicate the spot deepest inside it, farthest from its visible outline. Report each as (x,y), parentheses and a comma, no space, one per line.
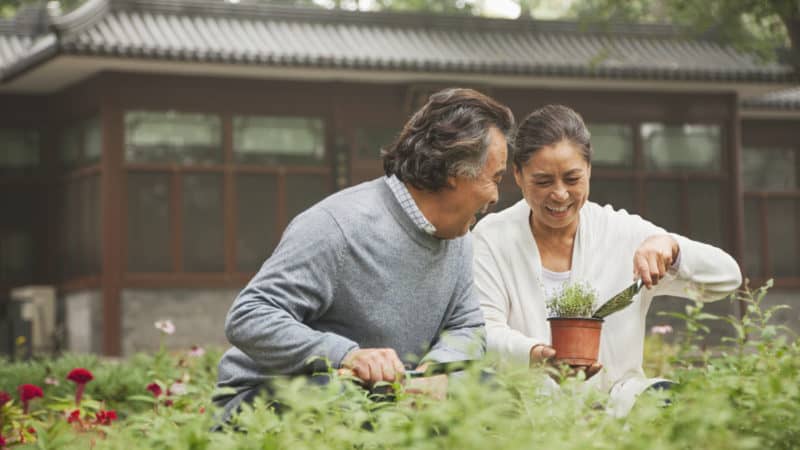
(353,271)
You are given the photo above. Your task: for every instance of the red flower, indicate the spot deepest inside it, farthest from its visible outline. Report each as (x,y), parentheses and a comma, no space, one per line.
(80,376)
(154,389)
(168,402)
(28,392)
(74,416)
(2,442)
(105,417)
(31,430)
(5,397)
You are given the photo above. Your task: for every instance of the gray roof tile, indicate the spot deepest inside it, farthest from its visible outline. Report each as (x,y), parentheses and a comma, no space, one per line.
(785,99)
(202,30)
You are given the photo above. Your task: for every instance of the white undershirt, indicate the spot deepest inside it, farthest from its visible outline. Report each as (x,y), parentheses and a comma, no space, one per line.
(553,282)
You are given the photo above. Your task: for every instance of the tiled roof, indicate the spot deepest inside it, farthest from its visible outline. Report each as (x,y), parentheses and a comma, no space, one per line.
(258,34)
(786,99)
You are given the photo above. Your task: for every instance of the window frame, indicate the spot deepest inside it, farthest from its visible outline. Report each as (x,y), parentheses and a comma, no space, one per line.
(228,169)
(762,198)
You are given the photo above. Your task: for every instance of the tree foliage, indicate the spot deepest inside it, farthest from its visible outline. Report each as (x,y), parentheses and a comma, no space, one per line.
(769,28)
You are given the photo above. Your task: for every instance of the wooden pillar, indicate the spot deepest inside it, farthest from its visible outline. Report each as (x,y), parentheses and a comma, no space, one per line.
(112,181)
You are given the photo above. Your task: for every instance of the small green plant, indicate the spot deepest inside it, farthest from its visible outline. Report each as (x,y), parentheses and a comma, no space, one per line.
(575,300)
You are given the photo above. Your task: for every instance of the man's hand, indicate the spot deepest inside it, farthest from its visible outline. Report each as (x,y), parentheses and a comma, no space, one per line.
(434,387)
(374,364)
(654,257)
(541,353)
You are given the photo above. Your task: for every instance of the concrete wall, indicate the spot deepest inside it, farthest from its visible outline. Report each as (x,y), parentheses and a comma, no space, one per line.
(198,315)
(83,312)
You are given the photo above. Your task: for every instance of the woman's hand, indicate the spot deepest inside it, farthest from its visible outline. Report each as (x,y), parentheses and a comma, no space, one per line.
(654,257)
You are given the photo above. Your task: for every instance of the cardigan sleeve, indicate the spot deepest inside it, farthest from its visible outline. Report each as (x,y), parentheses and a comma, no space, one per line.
(494,301)
(705,273)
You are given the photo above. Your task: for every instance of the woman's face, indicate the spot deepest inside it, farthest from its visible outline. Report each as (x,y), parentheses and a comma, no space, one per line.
(555,183)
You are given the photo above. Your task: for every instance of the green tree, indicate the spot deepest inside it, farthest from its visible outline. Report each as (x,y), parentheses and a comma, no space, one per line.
(769,28)
(434,6)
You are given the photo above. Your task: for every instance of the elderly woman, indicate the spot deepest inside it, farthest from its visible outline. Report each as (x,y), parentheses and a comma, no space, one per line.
(525,253)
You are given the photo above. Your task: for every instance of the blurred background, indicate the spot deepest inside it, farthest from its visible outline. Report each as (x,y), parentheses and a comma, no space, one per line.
(152,151)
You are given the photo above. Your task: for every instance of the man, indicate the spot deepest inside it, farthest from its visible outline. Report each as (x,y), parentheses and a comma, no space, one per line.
(379,274)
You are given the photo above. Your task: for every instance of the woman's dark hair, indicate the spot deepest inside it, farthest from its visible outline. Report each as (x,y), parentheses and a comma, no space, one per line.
(448,136)
(547,126)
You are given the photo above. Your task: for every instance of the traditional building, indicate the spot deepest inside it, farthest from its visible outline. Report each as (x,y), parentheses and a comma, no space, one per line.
(152,151)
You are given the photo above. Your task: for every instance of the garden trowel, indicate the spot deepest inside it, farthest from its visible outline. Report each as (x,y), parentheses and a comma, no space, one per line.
(619,301)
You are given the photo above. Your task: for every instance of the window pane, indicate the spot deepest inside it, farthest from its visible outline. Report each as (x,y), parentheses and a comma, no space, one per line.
(705,212)
(70,146)
(172,137)
(269,140)
(148,223)
(19,149)
(769,169)
(73,264)
(612,145)
(16,257)
(663,204)
(782,217)
(681,147)
(752,238)
(618,193)
(370,141)
(203,228)
(303,191)
(93,140)
(256,224)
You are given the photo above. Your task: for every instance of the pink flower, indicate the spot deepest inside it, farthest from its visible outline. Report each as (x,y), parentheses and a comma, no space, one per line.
(5,397)
(28,392)
(80,377)
(661,330)
(154,389)
(177,388)
(197,351)
(165,326)
(50,381)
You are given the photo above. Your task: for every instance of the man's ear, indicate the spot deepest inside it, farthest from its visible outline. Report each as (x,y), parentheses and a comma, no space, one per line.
(452,182)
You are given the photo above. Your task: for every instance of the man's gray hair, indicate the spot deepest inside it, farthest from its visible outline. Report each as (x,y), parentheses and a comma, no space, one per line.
(448,136)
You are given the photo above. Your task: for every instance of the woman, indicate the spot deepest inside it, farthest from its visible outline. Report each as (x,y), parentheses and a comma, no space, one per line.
(524,254)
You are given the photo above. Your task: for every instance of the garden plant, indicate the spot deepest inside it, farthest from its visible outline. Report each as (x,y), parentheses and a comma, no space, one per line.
(744,394)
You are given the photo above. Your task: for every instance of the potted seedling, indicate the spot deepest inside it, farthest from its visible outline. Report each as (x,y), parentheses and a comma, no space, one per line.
(575,334)
(575,325)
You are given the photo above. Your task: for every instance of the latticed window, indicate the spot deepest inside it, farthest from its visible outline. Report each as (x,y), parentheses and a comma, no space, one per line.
(198,202)
(772,211)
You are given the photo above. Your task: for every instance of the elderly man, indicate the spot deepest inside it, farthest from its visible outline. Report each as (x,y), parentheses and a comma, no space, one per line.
(379,274)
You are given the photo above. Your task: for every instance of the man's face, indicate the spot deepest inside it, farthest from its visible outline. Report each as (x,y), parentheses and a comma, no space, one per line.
(555,183)
(472,196)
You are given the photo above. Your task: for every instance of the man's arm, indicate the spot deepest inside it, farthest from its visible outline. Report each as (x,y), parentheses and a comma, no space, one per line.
(295,285)
(463,335)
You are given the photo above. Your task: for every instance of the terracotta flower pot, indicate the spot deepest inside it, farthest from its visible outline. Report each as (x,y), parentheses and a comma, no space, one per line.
(576,341)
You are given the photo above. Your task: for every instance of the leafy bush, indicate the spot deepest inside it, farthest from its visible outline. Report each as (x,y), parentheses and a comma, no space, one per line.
(745,395)
(575,300)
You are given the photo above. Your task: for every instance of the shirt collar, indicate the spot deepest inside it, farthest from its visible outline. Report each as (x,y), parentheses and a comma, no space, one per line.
(408,204)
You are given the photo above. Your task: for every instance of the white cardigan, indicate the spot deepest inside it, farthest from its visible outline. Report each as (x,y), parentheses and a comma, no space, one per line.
(508,274)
